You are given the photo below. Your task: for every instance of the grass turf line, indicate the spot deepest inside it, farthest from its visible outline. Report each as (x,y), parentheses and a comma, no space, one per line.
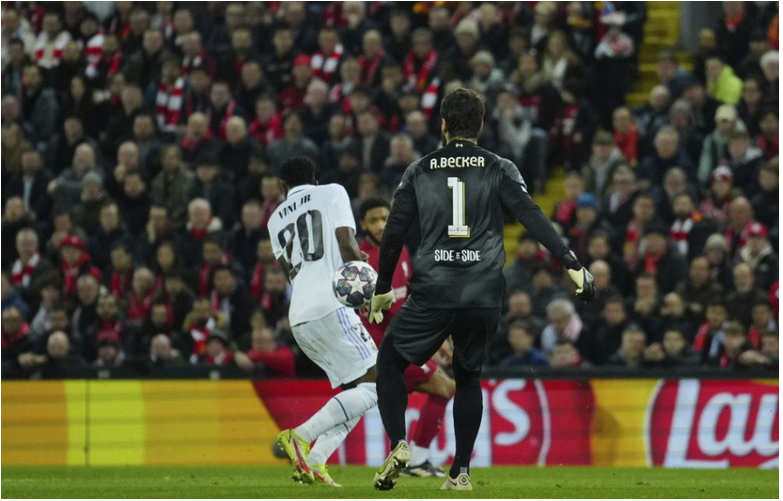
(274,482)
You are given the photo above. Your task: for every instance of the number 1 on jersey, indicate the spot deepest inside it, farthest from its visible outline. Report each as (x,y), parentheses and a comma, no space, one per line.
(458,229)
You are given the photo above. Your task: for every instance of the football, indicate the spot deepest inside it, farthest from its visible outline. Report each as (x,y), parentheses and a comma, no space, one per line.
(354,283)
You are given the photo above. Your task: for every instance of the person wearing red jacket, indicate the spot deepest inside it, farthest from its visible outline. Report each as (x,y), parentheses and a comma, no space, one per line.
(429,378)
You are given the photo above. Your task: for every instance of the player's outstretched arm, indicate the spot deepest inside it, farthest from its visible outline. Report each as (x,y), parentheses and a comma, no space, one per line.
(349,249)
(402,215)
(515,197)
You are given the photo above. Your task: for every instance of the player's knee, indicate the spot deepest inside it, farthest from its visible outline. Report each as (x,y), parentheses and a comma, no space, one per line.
(444,385)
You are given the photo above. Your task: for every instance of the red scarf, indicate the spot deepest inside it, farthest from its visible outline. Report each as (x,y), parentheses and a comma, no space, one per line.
(9,339)
(190,145)
(680,231)
(754,336)
(205,273)
(257,282)
(93,49)
(430,98)
(188,63)
(199,336)
(651,264)
(565,211)
(59,43)
(628,142)
(168,104)
(703,336)
(633,235)
(324,66)
(369,68)
(567,124)
(730,235)
(715,210)
(119,283)
(418,80)
(71,274)
(199,234)
(21,273)
(228,114)
(769,148)
(732,22)
(223,359)
(108,325)
(138,308)
(267,132)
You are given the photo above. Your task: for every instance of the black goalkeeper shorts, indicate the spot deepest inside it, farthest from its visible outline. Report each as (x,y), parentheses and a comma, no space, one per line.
(417,332)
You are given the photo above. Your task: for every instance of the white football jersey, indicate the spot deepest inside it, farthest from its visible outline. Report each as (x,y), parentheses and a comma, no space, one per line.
(302,230)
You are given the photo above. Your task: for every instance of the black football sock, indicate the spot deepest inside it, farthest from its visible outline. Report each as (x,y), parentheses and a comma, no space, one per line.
(468,408)
(392,393)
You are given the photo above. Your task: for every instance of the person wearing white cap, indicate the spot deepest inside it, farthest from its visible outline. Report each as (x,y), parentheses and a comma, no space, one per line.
(716,143)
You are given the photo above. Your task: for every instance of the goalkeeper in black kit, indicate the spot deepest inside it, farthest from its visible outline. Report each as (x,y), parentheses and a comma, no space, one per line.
(459,193)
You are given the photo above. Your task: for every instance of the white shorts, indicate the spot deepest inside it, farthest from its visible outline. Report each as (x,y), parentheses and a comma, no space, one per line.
(339,344)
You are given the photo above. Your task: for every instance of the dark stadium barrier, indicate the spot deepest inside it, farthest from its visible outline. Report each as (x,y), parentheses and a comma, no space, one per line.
(697,422)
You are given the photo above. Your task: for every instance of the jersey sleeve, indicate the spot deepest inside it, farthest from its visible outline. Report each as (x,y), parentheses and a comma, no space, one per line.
(277,249)
(515,198)
(341,211)
(402,215)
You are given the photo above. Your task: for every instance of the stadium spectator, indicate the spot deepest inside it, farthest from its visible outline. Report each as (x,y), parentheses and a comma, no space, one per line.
(523,353)
(766,203)
(564,323)
(698,289)
(609,330)
(632,349)
(109,354)
(745,293)
(660,258)
(266,352)
(162,354)
(673,351)
(734,343)
(216,351)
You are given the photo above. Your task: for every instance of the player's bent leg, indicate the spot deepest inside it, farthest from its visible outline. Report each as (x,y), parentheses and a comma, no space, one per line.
(340,409)
(440,388)
(439,383)
(324,448)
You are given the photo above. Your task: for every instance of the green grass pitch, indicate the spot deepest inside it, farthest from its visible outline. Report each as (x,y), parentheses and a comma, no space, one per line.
(274,482)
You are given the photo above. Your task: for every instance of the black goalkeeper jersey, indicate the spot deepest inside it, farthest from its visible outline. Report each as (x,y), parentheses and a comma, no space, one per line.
(459,193)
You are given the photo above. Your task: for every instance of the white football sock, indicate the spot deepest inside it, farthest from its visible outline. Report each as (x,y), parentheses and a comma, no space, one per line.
(340,409)
(329,442)
(418,454)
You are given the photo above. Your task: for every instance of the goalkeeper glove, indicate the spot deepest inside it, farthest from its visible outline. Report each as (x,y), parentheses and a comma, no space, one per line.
(379,303)
(585,283)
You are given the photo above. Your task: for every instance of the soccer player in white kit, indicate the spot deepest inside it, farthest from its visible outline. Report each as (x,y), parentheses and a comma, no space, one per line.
(313,234)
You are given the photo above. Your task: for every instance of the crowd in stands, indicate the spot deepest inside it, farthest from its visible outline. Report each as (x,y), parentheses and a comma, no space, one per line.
(141,142)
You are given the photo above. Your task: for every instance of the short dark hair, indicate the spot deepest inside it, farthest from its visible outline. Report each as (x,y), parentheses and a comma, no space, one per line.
(297,171)
(372,203)
(521,325)
(223,267)
(463,111)
(615,298)
(213,239)
(206,160)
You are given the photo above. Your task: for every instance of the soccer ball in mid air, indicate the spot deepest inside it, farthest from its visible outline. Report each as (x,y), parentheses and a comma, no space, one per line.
(354,283)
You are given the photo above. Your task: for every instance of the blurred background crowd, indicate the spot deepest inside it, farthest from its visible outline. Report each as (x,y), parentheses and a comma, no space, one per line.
(141,142)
